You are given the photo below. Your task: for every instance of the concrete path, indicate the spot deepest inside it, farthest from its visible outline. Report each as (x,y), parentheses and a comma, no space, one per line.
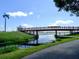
(68,50)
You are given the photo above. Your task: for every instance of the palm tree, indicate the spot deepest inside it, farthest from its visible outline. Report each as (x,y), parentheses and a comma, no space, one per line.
(5,16)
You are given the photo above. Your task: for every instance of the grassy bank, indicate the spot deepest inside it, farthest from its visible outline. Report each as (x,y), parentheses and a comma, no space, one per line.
(8,49)
(18,54)
(9,40)
(75,34)
(14,37)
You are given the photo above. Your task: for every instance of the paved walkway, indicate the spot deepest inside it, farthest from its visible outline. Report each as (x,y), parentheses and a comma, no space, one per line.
(68,50)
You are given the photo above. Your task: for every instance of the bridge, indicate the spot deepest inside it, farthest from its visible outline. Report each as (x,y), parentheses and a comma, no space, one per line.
(35,30)
(49,28)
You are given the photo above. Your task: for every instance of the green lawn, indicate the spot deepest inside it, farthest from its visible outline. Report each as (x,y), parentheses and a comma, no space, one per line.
(14,37)
(18,54)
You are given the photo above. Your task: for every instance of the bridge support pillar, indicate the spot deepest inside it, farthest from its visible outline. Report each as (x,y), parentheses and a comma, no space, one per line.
(25,31)
(71,31)
(33,33)
(55,33)
(37,36)
(28,32)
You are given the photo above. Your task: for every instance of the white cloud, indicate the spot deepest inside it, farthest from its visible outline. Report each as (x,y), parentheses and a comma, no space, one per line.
(31,13)
(62,23)
(18,13)
(26,25)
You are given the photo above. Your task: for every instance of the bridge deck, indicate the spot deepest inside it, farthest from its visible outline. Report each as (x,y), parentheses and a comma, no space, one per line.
(53,28)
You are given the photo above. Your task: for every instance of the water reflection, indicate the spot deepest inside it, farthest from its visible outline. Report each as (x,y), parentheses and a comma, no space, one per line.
(42,39)
(45,37)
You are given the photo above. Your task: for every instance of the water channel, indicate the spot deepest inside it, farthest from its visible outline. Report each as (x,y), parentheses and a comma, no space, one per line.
(45,37)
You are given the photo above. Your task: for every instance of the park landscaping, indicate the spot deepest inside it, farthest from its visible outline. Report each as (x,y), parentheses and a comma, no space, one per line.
(19,53)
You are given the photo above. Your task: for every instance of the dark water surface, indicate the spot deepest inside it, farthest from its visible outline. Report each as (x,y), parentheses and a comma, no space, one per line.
(44,38)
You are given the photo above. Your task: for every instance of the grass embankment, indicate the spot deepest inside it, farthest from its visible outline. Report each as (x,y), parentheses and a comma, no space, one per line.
(9,40)
(8,49)
(14,37)
(18,54)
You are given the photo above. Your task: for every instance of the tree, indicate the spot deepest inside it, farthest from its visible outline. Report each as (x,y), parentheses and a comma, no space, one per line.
(5,16)
(68,5)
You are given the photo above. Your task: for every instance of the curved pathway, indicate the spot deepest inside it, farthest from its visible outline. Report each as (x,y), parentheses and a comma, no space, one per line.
(69,50)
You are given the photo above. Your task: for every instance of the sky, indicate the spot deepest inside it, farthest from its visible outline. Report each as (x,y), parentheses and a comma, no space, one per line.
(34,13)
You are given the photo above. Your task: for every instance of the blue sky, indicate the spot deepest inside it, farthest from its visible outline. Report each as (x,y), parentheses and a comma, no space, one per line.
(30,13)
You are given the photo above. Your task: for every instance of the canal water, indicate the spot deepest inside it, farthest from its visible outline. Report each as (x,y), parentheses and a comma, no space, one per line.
(45,37)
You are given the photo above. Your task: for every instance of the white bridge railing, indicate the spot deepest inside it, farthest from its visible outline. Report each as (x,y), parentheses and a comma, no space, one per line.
(50,27)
